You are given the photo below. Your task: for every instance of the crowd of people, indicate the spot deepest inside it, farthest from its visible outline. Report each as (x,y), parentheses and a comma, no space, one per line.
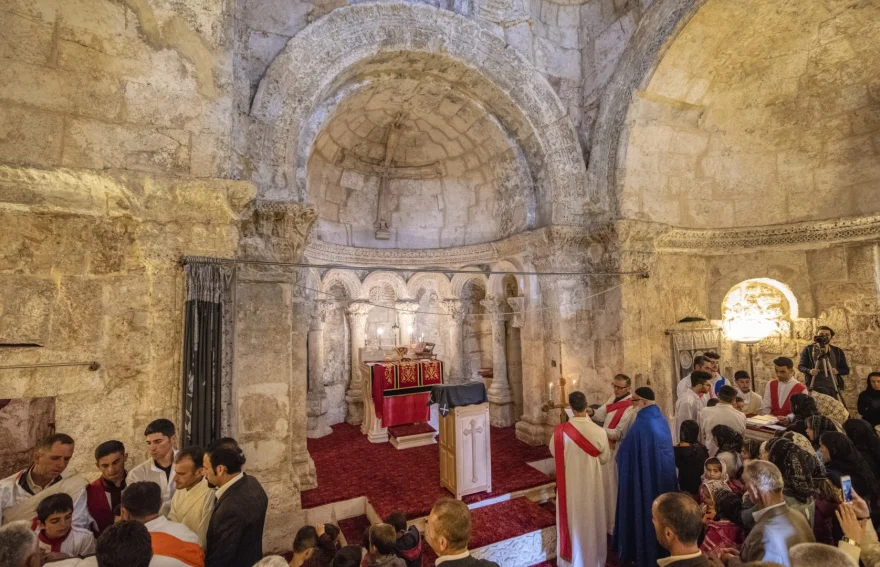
(192,507)
(749,497)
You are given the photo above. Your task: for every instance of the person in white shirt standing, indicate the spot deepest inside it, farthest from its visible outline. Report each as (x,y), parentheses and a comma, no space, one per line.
(717,381)
(778,393)
(702,363)
(161,436)
(722,414)
(689,404)
(751,400)
(193,501)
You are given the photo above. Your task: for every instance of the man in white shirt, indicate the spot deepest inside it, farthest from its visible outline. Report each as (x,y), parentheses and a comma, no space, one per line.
(778,393)
(722,414)
(701,363)
(689,404)
(717,380)
(193,501)
(161,436)
(751,400)
(174,545)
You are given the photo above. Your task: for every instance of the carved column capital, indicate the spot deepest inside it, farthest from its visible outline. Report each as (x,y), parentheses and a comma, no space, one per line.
(455,308)
(277,231)
(406,306)
(494,306)
(358,311)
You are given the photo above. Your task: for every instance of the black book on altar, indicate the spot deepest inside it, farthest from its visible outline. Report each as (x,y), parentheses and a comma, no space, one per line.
(453,396)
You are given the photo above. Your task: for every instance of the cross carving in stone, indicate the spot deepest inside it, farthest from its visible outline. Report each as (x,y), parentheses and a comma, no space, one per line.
(385,171)
(472,432)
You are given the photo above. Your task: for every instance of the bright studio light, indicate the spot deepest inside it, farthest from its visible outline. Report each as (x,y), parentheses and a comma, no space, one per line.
(749,329)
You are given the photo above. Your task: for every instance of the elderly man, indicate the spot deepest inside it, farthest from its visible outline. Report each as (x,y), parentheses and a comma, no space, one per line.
(646,469)
(18,546)
(723,413)
(21,493)
(777,527)
(615,417)
(448,532)
(678,522)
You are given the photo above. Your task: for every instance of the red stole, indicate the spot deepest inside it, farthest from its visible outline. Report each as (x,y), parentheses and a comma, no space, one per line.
(619,407)
(96,500)
(785,409)
(54,544)
(559,449)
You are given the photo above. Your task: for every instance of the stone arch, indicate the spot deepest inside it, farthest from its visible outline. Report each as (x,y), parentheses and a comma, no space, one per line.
(392,279)
(756,303)
(352,40)
(346,278)
(496,281)
(429,280)
(459,281)
(659,26)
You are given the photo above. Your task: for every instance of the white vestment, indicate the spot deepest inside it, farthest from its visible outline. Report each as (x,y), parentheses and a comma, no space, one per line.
(584,481)
(78,543)
(615,436)
(752,401)
(685,384)
(688,406)
(193,507)
(148,471)
(12,494)
(721,414)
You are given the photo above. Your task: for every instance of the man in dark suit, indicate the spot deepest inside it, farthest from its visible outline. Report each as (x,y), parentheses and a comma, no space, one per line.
(678,523)
(778,528)
(448,532)
(235,534)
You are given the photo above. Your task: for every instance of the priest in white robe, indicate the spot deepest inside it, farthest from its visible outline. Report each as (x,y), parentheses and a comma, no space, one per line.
(580,449)
(21,493)
(615,417)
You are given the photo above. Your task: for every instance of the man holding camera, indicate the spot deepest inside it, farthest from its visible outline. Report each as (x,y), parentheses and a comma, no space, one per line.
(823,364)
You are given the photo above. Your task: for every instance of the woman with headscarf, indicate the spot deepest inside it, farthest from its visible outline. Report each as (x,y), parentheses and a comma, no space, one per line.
(796,466)
(869,400)
(729,445)
(803,407)
(689,457)
(824,494)
(817,425)
(864,437)
(843,459)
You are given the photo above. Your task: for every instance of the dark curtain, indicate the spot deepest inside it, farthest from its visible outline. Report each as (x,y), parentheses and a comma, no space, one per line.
(203,357)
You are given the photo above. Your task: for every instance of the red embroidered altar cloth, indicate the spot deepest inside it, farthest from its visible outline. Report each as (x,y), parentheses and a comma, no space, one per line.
(401,390)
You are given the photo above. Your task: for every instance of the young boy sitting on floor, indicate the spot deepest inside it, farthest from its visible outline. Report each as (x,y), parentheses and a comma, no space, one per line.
(409,542)
(59,539)
(382,551)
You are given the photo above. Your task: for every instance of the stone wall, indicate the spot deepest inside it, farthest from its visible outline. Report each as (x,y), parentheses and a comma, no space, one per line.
(89,268)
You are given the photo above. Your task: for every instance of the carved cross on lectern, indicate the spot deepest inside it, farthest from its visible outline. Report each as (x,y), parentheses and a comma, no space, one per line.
(385,171)
(472,432)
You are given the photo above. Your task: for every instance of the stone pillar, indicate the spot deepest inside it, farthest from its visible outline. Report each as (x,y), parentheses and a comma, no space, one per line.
(357,324)
(500,399)
(316,401)
(406,319)
(454,360)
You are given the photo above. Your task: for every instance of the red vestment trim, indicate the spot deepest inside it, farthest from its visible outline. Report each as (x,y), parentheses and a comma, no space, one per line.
(96,502)
(559,449)
(54,544)
(620,407)
(774,398)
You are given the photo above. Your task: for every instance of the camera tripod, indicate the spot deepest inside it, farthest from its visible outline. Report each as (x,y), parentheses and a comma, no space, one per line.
(823,364)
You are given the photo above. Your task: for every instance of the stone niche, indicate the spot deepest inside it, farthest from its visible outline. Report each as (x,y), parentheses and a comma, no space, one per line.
(23,422)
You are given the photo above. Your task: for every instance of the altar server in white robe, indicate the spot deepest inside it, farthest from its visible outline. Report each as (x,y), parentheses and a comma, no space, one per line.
(580,449)
(21,493)
(615,417)
(161,437)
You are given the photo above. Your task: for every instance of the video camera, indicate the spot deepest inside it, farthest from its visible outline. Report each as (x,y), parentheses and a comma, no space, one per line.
(822,340)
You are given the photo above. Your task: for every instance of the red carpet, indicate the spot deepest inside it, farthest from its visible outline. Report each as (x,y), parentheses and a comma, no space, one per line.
(408,481)
(353,529)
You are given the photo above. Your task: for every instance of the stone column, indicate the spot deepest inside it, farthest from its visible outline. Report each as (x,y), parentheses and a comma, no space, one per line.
(406,319)
(455,308)
(357,324)
(316,401)
(500,399)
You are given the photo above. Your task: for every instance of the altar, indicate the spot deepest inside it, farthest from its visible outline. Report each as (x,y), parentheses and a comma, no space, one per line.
(396,385)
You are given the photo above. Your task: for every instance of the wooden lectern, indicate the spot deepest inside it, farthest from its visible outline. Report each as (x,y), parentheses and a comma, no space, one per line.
(465,450)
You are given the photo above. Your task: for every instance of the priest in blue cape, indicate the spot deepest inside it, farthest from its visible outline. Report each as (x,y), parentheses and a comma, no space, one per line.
(646,469)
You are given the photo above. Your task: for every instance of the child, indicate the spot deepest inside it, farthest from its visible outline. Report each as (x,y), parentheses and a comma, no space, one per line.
(382,550)
(58,538)
(409,542)
(689,457)
(722,507)
(325,551)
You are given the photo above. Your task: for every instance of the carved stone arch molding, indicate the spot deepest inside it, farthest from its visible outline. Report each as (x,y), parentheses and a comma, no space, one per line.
(436,282)
(364,38)
(346,278)
(659,27)
(378,279)
(459,281)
